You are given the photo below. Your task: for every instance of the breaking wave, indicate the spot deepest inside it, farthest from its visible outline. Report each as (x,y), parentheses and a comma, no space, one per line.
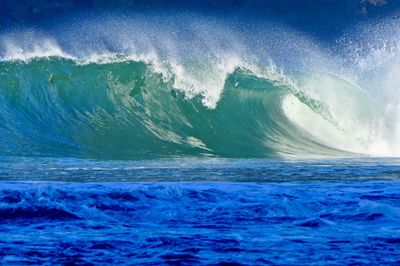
(135,98)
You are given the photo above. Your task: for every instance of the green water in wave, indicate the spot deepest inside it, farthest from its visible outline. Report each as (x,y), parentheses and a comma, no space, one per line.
(125,110)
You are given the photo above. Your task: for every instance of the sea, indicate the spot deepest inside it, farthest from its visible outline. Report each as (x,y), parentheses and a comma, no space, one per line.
(200,132)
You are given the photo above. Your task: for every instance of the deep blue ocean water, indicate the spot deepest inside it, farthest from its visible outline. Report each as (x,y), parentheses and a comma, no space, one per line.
(200,211)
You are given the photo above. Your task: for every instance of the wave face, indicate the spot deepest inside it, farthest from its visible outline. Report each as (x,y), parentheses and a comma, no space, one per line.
(123,109)
(137,88)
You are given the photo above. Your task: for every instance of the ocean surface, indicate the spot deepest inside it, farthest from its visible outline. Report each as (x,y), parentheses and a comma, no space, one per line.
(200,211)
(200,133)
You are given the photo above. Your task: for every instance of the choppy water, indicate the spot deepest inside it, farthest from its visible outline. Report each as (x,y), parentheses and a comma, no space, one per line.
(221,212)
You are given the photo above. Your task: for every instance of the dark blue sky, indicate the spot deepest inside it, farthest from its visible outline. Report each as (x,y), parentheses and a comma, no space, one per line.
(321,18)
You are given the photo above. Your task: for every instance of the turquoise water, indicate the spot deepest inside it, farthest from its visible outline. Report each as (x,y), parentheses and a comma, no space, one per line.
(124,109)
